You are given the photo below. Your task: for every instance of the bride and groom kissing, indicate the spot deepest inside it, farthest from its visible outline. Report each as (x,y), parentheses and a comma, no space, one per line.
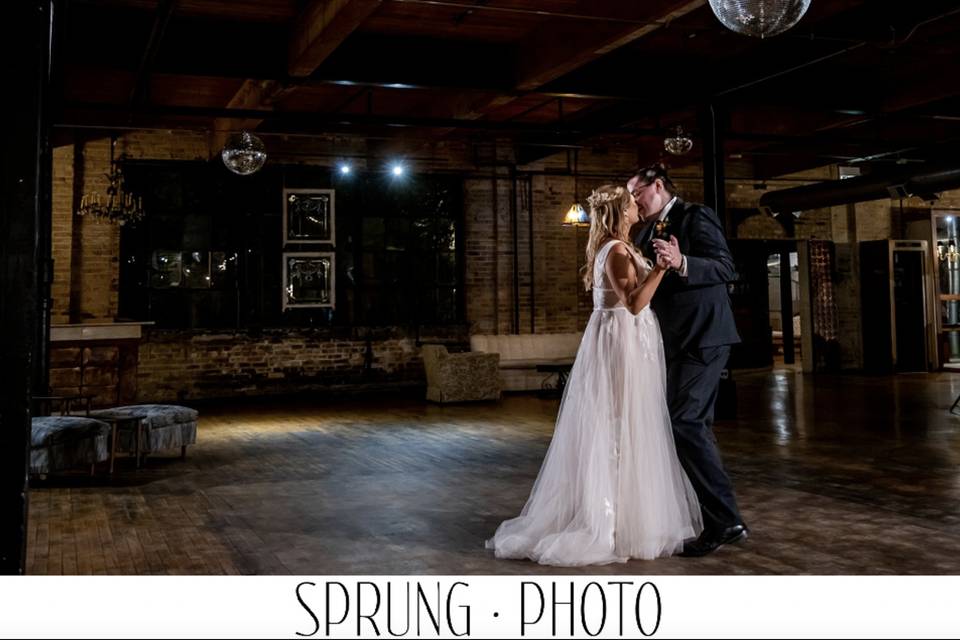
(633,469)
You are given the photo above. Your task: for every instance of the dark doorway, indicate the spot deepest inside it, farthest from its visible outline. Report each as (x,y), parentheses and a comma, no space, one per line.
(764,305)
(783,278)
(908,306)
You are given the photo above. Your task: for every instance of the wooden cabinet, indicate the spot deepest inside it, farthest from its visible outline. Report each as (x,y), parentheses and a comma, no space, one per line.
(97,359)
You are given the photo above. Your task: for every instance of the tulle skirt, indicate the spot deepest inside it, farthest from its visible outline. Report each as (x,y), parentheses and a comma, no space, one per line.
(611,486)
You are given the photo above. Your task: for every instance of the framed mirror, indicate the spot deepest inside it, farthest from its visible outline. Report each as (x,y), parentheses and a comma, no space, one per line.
(308,216)
(308,279)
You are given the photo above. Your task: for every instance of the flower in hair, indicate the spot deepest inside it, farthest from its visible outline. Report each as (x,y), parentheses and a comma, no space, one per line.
(598,197)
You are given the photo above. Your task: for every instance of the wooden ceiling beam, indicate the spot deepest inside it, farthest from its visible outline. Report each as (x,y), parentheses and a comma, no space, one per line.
(561,46)
(318,31)
(321,28)
(161,19)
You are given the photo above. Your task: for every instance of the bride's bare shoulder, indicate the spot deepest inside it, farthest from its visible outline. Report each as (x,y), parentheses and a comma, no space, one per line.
(620,261)
(625,249)
(619,246)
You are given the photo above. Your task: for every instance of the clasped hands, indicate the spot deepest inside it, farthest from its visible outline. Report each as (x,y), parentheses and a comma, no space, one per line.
(668,254)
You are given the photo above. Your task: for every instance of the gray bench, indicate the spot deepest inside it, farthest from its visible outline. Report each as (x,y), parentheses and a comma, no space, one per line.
(163,426)
(58,443)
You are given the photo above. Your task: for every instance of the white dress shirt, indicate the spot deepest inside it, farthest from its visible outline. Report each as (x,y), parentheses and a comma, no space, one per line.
(683,259)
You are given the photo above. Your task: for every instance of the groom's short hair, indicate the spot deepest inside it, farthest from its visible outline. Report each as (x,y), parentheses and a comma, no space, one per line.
(646,175)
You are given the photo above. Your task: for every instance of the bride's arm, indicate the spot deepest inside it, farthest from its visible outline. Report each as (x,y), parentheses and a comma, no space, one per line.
(622,274)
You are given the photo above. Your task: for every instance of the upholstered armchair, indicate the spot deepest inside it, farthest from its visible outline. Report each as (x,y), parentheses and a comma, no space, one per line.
(458,377)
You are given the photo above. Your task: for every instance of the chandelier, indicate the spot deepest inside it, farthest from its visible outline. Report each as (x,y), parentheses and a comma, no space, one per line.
(948,253)
(759,18)
(119,205)
(679,143)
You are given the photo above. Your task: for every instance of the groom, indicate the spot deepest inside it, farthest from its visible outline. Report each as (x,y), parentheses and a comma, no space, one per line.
(696,321)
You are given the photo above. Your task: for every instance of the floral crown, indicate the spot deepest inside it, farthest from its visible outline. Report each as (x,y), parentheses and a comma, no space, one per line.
(598,197)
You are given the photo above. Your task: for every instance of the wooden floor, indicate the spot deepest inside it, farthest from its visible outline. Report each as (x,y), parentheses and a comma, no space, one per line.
(835,475)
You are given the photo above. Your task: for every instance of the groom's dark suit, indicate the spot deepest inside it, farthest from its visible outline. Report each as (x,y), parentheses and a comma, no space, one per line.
(698,328)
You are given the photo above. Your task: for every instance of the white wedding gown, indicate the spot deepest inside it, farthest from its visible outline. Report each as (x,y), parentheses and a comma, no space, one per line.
(611,487)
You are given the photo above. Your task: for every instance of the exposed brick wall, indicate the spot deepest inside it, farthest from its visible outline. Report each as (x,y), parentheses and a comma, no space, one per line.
(176,364)
(62,232)
(85,252)
(875,220)
(817,224)
(179,365)
(559,254)
(488,250)
(948,200)
(152,145)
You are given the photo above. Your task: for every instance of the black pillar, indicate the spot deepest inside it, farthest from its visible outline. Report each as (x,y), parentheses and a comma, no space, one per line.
(515,224)
(26,36)
(40,383)
(714,191)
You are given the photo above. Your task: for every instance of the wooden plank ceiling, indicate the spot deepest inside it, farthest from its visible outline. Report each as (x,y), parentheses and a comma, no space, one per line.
(854,80)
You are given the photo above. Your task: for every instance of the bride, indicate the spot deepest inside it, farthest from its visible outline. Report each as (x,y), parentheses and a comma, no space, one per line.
(611,487)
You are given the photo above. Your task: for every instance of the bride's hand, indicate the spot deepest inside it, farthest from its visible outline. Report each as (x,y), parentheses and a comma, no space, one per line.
(663,263)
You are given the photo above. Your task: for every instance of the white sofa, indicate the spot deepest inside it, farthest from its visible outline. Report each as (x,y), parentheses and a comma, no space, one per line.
(520,355)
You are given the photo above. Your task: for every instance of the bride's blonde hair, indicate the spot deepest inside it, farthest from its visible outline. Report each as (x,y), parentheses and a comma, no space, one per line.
(608,204)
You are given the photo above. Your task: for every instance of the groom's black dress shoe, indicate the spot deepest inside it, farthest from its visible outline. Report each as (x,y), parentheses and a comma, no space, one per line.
(708,542)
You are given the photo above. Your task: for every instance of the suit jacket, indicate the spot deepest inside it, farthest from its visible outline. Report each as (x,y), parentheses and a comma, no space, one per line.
(694,312)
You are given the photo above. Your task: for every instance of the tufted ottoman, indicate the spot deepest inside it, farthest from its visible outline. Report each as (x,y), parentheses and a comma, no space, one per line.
(62,442)
(164,426)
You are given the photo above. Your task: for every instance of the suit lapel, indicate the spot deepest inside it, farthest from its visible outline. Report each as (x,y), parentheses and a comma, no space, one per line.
(646,236)
(674,216)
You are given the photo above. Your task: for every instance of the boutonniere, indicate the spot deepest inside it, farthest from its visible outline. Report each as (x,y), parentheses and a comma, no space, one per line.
(660,228)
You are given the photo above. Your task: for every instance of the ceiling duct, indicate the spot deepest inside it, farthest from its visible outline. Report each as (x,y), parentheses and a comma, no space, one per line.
(921,181)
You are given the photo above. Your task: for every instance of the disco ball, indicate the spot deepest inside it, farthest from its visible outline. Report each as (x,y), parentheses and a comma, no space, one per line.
(244,153)
(759,18)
